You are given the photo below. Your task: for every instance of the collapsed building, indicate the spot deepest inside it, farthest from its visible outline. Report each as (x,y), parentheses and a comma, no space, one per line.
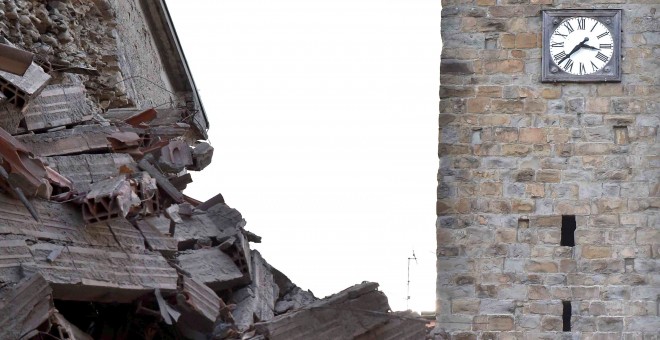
(100,124)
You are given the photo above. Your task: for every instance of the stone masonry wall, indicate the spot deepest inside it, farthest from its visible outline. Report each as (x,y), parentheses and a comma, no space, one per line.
(516,155)
(111,36)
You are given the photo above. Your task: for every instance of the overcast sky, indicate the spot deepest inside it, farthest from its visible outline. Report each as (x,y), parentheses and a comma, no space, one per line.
(324,122)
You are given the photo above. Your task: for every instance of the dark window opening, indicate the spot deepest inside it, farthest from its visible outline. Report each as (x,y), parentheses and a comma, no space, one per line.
(566,316)
(568,226)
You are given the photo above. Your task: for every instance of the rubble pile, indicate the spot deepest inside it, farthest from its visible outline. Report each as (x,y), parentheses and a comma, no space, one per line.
(97,238)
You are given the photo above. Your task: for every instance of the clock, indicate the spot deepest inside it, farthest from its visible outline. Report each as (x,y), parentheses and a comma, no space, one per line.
(581,46)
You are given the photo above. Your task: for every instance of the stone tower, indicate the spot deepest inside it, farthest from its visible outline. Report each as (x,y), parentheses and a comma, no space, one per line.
(548,194)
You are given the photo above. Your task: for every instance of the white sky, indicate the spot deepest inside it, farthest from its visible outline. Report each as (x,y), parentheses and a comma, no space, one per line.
(324,122)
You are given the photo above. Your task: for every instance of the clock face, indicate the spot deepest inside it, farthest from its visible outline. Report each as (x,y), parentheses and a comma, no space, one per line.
(581,45)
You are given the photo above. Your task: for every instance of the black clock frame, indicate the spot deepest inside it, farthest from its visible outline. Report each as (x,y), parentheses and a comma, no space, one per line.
(610,72)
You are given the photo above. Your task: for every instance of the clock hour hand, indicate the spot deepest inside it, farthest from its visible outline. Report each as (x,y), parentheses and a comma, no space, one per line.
(577,47)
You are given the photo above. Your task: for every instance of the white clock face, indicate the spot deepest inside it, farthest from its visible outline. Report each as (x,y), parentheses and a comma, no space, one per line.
(581,45)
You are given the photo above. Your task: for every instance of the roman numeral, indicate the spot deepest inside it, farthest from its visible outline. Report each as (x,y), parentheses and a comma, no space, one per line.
(603,34)
(568,27)
(559,56)
(557,44)
(606,46)
(561,35)
(582,69)
(593,66)
(569,65)
(582,22)
(602,57)
(596,24)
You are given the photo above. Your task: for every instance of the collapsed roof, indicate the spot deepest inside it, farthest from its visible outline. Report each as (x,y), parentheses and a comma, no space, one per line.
(97,238)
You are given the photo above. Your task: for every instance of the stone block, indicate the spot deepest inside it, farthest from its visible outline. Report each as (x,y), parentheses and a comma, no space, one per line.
(538,292)
(551,323)
(456,67)
(497,306)
(572,208)
(585,293)
(548,176)
(545,307)
(596,252)
(532,135)
(526,40)
(529,322)
(478,104)
(465,306)
(598,105)
(489,91)
(500,323)
(603,266)
(609,324)
(504,66)
(541,266)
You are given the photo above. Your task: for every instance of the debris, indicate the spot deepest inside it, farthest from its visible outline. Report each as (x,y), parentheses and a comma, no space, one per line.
(14,60)
(97,239)
(175,157)
(163,183)
(57,105)
(65,330)
(201,155)
(199,304)
(25,306)
(102,275)
(217,199)
(19,90)
(256,302)
(345,315)
(108,199)
(212,267)
(23,171)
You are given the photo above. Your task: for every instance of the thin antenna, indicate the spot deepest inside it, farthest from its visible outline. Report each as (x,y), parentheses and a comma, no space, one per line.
(408,288)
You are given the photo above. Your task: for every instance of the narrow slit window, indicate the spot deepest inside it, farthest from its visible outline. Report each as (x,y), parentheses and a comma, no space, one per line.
(568,226)
(566,316)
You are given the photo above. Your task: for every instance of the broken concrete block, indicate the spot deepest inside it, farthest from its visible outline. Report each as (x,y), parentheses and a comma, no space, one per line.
(345,315)
(199,306)
(79,139)
(19,90)
(102,275)
(201,156)
(400,326)
(58,105)
(109,198)
(85,169)
(25,306)
(156,233)
(175,156)
(212,267)
(257,300)
(163,183)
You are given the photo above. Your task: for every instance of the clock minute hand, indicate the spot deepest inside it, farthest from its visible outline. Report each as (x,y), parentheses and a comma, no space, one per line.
(577,47)
(591,47)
